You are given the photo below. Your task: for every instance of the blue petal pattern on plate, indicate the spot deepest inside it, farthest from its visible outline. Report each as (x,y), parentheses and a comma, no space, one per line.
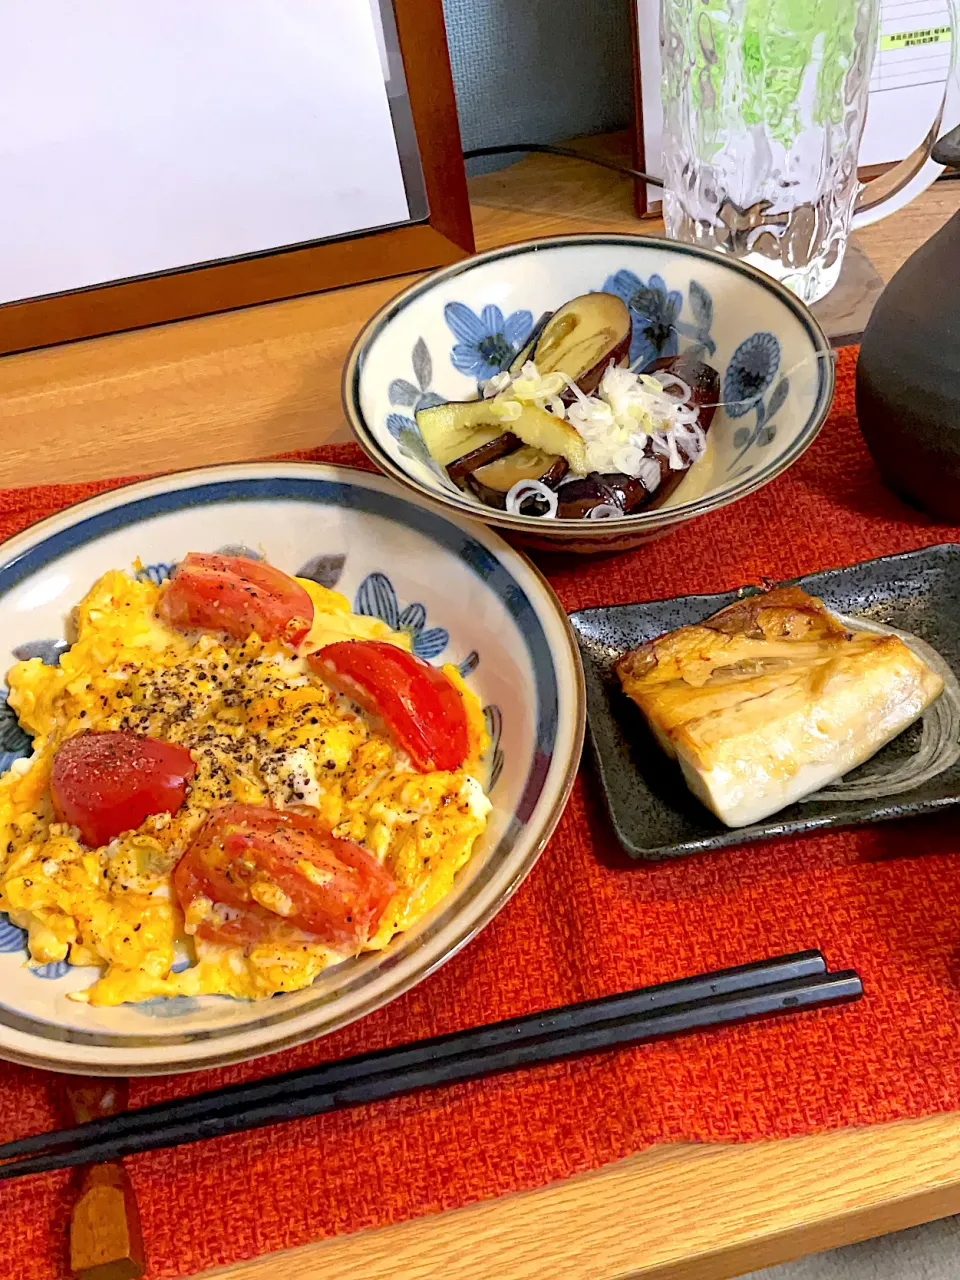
(752,368)
(408,396)
(15,743)
(55,969)
(156,573)
(494,755)
(413,617)
(325,570)
(376,598)
(167,1006)
(12,937)
(469,664)
(239,549)
(48,651)
(654,311)
(486,343)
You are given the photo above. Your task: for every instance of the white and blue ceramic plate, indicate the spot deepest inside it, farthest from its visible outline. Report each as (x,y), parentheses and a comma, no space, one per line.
(448,333)
(464,596)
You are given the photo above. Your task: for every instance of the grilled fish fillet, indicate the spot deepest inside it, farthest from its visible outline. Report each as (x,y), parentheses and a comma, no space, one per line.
(772,698)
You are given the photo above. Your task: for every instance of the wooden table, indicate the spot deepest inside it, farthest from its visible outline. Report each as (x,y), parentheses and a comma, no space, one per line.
(264,380)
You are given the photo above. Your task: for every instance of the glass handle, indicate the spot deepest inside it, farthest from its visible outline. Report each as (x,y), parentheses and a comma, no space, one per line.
(947,150)
(904,182)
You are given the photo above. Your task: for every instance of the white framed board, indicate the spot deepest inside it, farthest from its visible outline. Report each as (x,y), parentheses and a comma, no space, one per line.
(158,139)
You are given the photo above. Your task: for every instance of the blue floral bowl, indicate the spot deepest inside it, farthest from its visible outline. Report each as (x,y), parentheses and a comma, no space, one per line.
(461,594)
(442,337)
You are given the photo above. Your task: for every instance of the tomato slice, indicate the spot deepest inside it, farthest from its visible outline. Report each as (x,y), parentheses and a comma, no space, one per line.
(420,708)
(236,595)
(281,874)
(106,783)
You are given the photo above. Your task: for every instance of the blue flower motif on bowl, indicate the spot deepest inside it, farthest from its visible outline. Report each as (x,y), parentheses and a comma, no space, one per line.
(751,371)
(55,969)
(406,395)
(407,435)
(489,342)
(155,573)
(12,937)
(167,1006)
(700,344)
(654,312)
(493,717)
(48,651)
(323,569)
(486,343)
(377,598)
(15,743)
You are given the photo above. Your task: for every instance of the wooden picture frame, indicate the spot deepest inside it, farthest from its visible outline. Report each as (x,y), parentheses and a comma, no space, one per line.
(639,147)
(445,235)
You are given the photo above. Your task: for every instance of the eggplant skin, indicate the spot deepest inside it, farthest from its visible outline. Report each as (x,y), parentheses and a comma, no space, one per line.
(613,488)
(704,382)
(583,338)
(492,496)
(479,457)
(702,379)
(526,351)
(772,699)
(471,425)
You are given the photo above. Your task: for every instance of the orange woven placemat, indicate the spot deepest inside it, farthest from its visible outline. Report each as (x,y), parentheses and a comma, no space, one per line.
(885,900)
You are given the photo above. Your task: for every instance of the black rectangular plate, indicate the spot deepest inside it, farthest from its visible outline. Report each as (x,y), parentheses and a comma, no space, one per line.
(653,813)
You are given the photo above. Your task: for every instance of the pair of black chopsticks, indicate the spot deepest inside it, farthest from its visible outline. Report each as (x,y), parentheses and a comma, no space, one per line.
(785,984)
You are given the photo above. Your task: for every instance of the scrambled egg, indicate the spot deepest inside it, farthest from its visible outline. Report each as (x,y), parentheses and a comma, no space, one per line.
(262,728)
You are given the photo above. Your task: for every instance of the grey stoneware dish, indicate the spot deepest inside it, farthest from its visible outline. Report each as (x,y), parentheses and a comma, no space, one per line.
(916,595)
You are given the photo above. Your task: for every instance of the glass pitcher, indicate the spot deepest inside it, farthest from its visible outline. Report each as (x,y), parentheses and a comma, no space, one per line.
(764,103)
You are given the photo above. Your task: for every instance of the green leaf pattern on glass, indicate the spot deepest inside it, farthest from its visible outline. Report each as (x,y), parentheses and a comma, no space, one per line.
(767,71)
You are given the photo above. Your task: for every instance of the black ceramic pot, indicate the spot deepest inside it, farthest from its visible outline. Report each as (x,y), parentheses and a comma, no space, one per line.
(908,378)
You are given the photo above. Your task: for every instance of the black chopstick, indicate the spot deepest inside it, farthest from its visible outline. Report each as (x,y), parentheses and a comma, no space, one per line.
(470,1062)
(256,1093)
